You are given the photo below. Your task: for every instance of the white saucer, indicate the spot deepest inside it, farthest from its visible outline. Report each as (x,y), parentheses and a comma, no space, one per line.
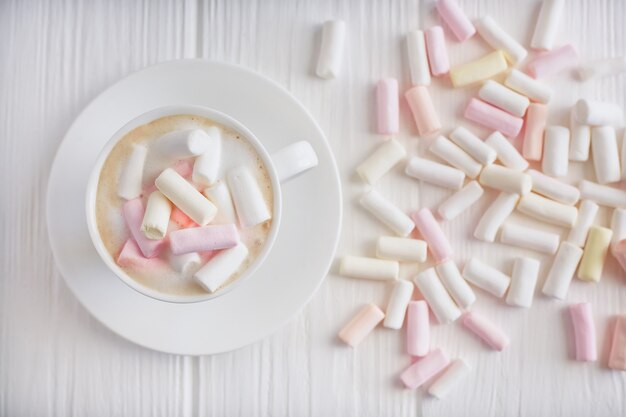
(295,267)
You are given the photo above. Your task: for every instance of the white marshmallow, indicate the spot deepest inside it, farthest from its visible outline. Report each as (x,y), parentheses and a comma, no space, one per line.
(331,49)
(247,197)
(553,188)
(601,68)
(494,216)
(618,225)
(547,25)
(605,154)
(562,270)
(523,282)
(460,201)
(528,86)
(602,194)
(186,262)
(435,173)
(183,143)
(449,379)
(129,184)
(219,194)
(221,267)
(457,287)
(499,39)
(529,238)
(387,212)
(580,140)
(486,277)
(294,159)
(156,217)
(368,268)
(505,179)
(598,113)
(473,145)
(397,304)
(555,151)
(418,59)
(507,153)
(381,161)
(586,215)
(436,296)
(546,210)
(504,98)
(206,167)
(185,197)
(401,249)
(455,156)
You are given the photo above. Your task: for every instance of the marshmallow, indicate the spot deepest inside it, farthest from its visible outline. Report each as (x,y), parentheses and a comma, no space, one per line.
(547,25)
(133,212)
(605,154)
(497,38)
(401,249)
(368,268)
(129,184)
(586,215)
(437,297)
(536,118)
(562,270)
(617,354)
(495,216)
(594,254)
(555,151)
(417,329)
(219,194)
(505,179)
(418,59)
(529,238)
(460,201)
(185,197)
(619,253)
(478,70)
(507,153)
(184,167)
(361,325)
(528,86)
(456,19)
(435,173)
(486,330)
(457,287)
(424,369)
(523,281)
(553,62)
(473,145)
(207,165)
(623,156)
(181,219)
(437,52)
(247,197)
(455,156)
(449,379)
(598,113)
(618,226)
(331,49)
(602,194)
(546,210)
(385,157)
(387,107)
(423,110)
(131,256)
(387,213)
(157,216)
(294,159)
(584,332)
(398,303)
(221,267)
(183,143)
(580,138)
(504,98)
(203,239)
(601,68)
(486,277)
(553,188)
(493,118)
(185,262)
(430,230)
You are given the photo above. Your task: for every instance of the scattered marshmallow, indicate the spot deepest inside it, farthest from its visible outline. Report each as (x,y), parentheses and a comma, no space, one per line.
(536,118)
(331,49)
(486,330)
(499,39)
(401,249)
(133,212)
(368,268)
(507,153)
(435,173)
(418,58)
(486,277)
(562,270)
(361,325)
(219,194)
(504,98)
(247,197)
(584,332)
(547,24)
(580,138)
(437,297)
(495,215)
(602,194)
(203,239)
(586,215)
(505,179)
(493,118)
(449,379)
(529,238)
(156,217)
(553,62)
(478,70)
(605,154)
(602,68)
(398,303)
(618,226)
(594,253)
(221,267)
(528,86)
(617,353)
(430,230)
(523,282)
(553,188)
(598,113)
(455,156)
(424,369)
(185,197)
(207,165)
(555,151)
(387,107)
(183,143)
(460,201)
(473,145)
(437,52)
(547,210)
(417,329)
(457,287)
(385,157)
(423,110)
(129,184)
(456,19)
(387,213)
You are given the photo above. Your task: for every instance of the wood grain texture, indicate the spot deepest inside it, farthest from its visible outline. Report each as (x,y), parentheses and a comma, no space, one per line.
(56,360)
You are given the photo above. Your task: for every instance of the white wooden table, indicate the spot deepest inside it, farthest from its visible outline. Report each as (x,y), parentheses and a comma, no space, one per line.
(56,360)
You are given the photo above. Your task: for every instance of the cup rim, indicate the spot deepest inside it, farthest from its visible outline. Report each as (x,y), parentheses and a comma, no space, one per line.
(147,117)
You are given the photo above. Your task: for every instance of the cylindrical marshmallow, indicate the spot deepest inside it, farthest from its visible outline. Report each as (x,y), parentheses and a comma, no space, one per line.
(523,281)
(528,86)
(401,249)
(368,268)
(586,215)
(546,210)
(247,197)
(437,297)
(562,270)
(425,369)
(504,98)
(507,153)
(203,239)
(619,253)
(456,19)
(131,256)
(605,154)
(206,167)
(183,143)
(547,25)
(387,212)
(331,49)
(387,106)
(499,39)
(434,173)
(460,201)
(294,159)
(601,68)
(133,213)
(618,225)
(598,113)
(397,304)
(129,184)
(219,194)
(185,262)
(381,161)
(221,267)
(457,287)
(493,118)
(418,58)
(584,332)
(580,138)
(555,151)
(473,145)
(450,378)
(602,194)
(594,253)
(486,277)
(553,188)
(478,70)
(430,230)
(185,197)
(553,62)
(617,353)
(529,238)
(505,179)
(157,216)
(417,329)
(536,118)
(455,156)
(486,330)
(423,110)
(361,325)
(495,216)
(437,52)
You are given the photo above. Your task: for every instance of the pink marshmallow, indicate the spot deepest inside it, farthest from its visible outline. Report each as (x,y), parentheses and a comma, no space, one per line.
(424,369)
(455,18)
(430,230)
(493,118)
(133,211)
(423,110)
(131,255)
(584,332)
(184,167)
(417,329)
(387,104)
(361,325)
(619,251)
(486,330)
(617,355)
(181,219)
(536,119)
(553,62)
(437,52)
(202,239)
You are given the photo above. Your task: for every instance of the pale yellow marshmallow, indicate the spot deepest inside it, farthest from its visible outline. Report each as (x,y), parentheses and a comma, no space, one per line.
(594,254)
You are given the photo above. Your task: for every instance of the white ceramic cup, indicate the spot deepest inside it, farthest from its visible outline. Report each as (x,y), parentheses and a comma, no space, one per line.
(282,165)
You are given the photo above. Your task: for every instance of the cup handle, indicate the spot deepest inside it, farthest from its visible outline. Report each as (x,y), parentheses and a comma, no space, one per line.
(293,160)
